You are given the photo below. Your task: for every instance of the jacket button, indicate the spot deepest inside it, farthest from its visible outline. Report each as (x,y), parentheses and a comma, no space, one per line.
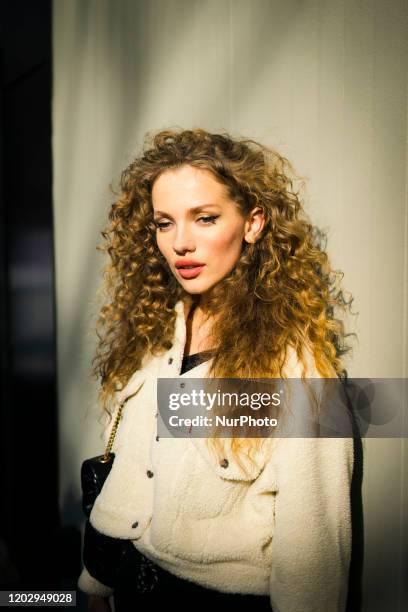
(224,463)
(171,360)
(149,474)
(182,385)
(134,525)
(157,438)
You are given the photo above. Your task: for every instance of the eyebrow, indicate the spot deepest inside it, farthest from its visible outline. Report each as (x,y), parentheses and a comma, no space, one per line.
(190,210)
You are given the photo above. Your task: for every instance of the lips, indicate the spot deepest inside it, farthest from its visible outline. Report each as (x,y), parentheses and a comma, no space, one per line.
(182,263)
(192,271)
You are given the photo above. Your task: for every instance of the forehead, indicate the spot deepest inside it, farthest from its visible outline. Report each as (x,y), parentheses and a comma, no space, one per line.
(187,184)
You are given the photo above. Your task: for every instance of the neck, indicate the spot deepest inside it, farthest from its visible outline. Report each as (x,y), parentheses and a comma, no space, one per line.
(198,304)
(204,304)
(198,326)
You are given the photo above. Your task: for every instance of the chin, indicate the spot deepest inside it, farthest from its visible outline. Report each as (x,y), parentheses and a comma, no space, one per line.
(195,289)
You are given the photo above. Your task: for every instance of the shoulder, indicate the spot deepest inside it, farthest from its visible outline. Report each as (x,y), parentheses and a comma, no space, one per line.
(148,368)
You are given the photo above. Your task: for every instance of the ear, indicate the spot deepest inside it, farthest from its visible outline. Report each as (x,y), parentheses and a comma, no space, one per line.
(254,225)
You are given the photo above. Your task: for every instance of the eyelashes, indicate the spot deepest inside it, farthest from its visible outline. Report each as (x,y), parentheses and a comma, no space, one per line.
(161,226)
(208,220)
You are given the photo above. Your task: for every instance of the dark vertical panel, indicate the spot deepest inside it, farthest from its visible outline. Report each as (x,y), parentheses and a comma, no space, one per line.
(29,514)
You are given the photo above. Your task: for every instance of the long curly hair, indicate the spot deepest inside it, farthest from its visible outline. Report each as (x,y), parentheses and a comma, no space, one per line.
(282,292)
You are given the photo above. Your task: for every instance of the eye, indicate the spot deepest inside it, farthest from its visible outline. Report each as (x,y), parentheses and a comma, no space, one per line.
(163,225)
(208,220)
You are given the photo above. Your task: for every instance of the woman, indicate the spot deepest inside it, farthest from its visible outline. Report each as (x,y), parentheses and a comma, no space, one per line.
(216,272)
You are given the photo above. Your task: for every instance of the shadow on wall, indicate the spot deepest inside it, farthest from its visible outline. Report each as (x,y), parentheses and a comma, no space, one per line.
(354,599)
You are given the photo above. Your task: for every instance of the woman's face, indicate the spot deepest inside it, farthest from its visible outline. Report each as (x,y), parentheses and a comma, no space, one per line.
(198,225)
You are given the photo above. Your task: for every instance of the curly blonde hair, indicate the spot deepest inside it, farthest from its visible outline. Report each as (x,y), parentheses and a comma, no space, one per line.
(281,292)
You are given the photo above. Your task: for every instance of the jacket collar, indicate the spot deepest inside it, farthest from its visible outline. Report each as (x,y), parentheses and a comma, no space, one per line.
(168,365)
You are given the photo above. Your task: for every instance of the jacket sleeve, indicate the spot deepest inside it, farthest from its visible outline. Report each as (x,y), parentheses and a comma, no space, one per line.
(88,584)
(311,546)
(101,557)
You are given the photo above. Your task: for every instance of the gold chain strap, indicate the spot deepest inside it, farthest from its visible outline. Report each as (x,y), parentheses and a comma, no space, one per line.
(108,450)
(106,456)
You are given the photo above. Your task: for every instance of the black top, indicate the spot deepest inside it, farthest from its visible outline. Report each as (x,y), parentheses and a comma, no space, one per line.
(191,361)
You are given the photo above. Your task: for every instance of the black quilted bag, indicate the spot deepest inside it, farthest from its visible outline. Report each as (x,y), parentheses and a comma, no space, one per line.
(94,472)
(108,559)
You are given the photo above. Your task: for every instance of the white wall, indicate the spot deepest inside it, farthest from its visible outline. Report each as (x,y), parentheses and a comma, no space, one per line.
(324,81)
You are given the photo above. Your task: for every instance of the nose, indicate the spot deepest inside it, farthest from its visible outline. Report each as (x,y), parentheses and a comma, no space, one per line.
(183,241)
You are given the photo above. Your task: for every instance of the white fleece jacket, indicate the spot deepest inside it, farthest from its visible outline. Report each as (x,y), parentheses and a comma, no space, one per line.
(283,528)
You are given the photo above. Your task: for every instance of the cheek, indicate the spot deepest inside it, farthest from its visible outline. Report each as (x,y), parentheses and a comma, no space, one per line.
(226,244)
(162,244)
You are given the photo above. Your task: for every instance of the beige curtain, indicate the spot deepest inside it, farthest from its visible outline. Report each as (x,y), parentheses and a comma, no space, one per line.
(324,81)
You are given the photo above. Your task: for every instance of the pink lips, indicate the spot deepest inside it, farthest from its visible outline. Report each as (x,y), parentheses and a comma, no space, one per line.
(188,272)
